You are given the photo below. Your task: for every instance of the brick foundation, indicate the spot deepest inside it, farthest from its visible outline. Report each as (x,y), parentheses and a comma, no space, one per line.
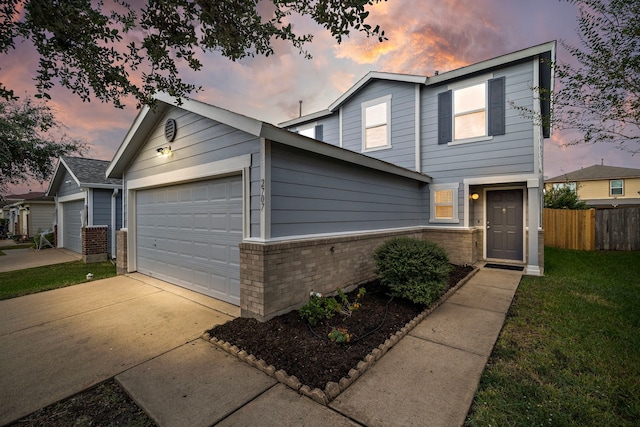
(94,244)
(277,277)
(121,252)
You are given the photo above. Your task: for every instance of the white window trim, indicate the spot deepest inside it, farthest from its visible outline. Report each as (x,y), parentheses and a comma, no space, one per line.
(383,99)
(611,188)
(454,186)
(462,85)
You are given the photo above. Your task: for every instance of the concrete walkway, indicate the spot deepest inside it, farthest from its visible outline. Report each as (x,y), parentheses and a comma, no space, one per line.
(146,334)
(19,259)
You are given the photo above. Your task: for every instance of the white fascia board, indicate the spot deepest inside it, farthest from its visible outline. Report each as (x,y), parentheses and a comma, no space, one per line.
(307,118)
(494,62)
(117,165)
(371,75)
(501,179)
(281,136)
(82,195)
(100,186)
(238,121)
(55,178)
(215,169)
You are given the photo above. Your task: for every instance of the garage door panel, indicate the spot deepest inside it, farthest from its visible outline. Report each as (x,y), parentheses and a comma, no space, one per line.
(189,235)
(71,225)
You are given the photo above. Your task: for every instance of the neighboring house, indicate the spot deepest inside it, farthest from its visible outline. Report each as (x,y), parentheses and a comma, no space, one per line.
(29,213)
(85,197)
(259,216)
(602,186)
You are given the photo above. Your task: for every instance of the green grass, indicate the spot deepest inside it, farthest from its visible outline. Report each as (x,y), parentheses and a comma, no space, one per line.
(569,352)
(23,282)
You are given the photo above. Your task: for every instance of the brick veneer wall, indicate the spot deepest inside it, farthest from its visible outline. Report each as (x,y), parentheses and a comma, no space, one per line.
(121,252)
(277,277)
(94,244)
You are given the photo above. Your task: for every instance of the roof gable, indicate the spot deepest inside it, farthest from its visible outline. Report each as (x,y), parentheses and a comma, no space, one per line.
(88,173)
(546,49)
(147,119)
(597,172)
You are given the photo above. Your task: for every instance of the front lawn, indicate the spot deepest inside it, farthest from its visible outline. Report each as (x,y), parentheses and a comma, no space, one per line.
(23,282)
(569,352)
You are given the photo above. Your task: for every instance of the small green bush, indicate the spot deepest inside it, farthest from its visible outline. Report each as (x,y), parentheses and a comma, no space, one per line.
(417,270)
(318,308)
(49,236)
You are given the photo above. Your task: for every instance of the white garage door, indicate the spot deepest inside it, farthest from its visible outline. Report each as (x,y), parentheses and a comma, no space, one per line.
(71,225)
(189,234)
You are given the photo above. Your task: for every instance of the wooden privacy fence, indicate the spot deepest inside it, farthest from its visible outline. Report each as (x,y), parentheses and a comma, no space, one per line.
(588,230)
(569,229)
(618,229)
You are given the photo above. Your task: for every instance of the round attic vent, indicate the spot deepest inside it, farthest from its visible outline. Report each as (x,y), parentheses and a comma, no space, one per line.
(170,130)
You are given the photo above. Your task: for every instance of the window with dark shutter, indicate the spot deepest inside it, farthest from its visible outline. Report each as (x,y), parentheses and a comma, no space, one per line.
(445,112)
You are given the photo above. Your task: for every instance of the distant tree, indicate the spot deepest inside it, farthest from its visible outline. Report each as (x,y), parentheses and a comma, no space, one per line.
(563,197)
(599,92)
(30,139)
(113,52)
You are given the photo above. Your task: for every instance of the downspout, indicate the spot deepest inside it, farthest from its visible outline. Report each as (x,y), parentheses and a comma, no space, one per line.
(114,200)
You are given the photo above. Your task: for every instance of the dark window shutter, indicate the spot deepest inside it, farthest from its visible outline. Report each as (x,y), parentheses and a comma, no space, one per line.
(496,106)
(318,131)
(445,117)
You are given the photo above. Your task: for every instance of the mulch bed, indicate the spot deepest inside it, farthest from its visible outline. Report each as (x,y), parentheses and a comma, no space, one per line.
(287,343)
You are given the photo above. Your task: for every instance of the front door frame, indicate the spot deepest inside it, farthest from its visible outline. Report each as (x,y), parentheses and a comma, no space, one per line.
(523,219)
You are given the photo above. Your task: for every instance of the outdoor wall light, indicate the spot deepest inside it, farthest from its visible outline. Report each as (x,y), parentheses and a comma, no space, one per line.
(475,196)
(164,151)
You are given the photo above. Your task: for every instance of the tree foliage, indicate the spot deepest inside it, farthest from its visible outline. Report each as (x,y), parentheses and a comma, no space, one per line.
(599,93)
(116,50)
(28,142)
(563,197)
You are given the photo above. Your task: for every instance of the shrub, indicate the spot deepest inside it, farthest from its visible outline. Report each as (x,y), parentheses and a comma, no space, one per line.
(49,236)
(417,270)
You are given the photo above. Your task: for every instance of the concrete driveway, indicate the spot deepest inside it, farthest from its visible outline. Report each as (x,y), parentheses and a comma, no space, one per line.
(57,343)
(19,259)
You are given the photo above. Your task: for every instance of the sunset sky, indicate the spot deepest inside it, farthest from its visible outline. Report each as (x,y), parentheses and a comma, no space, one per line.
(424,36)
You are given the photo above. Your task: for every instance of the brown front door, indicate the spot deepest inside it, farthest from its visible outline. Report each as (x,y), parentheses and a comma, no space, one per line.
(504,224)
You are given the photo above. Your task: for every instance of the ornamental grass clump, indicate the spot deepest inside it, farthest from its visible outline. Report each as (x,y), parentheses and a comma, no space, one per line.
(417,270)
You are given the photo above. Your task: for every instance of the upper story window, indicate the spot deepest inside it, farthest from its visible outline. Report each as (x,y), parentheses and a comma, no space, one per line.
(376,124)
(616,187)
(472,111)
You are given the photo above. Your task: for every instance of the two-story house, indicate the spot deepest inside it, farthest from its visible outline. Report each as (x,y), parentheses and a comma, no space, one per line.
(602,186)
(260,215)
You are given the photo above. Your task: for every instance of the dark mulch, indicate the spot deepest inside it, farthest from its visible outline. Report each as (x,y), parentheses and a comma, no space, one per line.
(287,343)
(104,405)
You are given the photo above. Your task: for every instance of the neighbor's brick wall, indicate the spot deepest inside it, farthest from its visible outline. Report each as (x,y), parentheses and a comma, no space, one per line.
(277,277)
(121,252)
(94,244)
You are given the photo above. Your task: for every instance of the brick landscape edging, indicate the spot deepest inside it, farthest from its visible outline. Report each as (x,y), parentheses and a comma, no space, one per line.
(333,389)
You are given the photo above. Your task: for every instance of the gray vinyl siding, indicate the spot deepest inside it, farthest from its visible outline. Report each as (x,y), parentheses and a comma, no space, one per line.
(313,195)
(402,151)
(68,186)
(331,129)
(511,153)
(198,140)
(102,210)
(508,154)
(255,194)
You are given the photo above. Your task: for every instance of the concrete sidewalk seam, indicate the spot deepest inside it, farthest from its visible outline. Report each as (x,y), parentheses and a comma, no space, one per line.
(76,314)
(449,345)
(485,309)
